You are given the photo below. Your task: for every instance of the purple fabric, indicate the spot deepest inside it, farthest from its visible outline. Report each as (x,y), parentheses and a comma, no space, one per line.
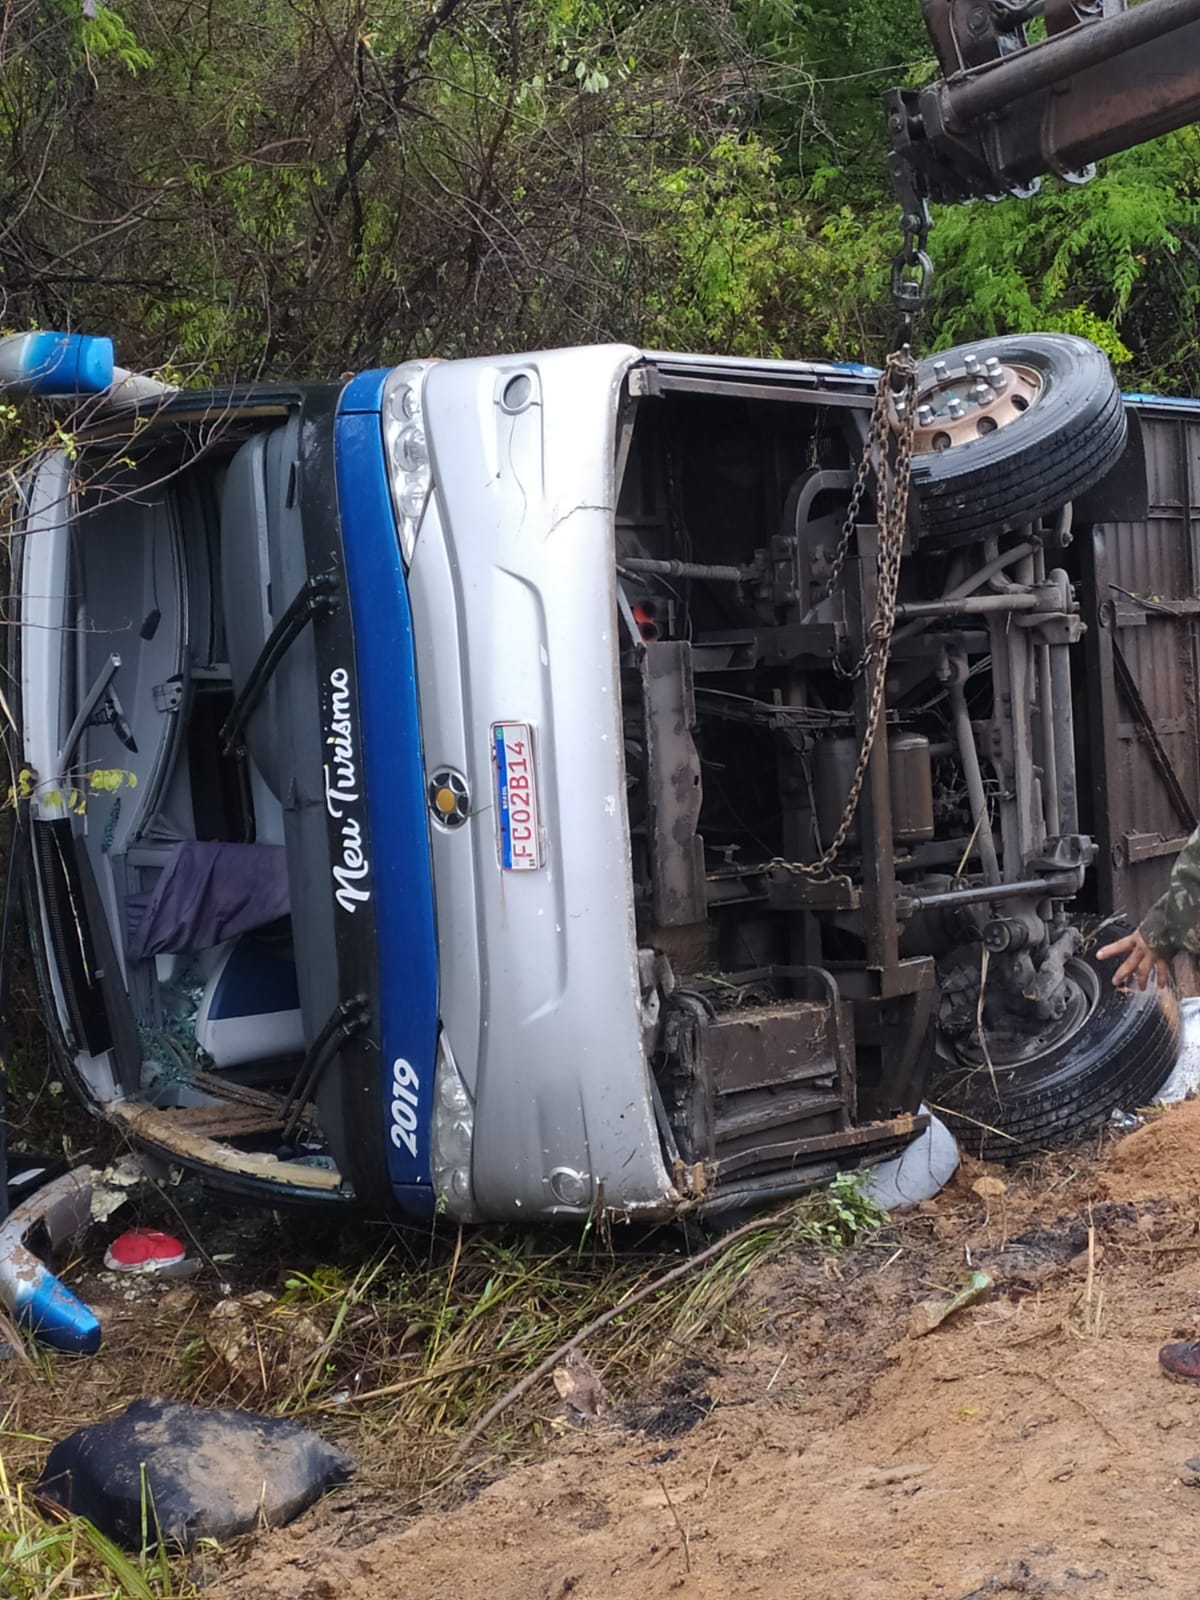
(209,892)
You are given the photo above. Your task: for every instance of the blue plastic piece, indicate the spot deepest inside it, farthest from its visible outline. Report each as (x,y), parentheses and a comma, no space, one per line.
(364,392)
(416,1200)
(397,808)
(255,980)
(1176,402)
(50,364)
(57,1317)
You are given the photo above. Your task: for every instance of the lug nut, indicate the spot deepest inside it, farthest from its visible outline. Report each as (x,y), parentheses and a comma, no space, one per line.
(971,364)
(995,374)
(981,393)
(939,371)
(955,408)
(925,414)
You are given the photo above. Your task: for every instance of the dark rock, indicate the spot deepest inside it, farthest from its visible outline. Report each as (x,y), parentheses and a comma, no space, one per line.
(207,1473)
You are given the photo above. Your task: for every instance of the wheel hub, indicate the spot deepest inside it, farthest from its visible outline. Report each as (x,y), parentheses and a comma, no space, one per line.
(1013,1047)
(969,398)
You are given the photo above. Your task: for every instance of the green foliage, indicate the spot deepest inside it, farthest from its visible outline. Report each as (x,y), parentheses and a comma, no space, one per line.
(1112,260)
(852,1214)
(107,34)
(98,780)
(302,191)
(733,254)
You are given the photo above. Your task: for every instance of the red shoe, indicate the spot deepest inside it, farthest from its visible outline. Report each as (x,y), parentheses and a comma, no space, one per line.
(1181,1361)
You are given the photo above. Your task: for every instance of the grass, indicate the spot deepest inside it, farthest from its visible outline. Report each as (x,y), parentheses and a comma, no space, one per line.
(392,1343)
(41,1559)
(397,1357)
(417,1351)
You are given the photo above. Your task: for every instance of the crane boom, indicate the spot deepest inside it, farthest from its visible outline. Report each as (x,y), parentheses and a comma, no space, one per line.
(1106,76)
(1006,112)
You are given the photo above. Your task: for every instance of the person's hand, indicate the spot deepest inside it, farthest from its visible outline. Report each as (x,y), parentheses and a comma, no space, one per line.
(1139,960)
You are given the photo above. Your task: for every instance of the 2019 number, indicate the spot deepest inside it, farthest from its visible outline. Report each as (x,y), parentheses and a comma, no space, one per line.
(406,1089)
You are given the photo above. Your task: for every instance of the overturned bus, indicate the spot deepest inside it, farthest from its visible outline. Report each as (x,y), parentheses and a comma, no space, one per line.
(426,782)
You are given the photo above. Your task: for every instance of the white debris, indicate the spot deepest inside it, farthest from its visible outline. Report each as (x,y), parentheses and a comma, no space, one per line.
(114,1186)
(1185,1078)
(918,1173)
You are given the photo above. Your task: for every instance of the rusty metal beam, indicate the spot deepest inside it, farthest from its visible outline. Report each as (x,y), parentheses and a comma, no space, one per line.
(1100,707)
(1017,113)
(1056,61)
(1150,846)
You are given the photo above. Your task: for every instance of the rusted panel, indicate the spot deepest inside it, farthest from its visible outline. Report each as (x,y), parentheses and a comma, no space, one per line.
(758,1115)
(1147,846)
(1157,562)
(1151,732)
(770,1045)
(777,1073)
(798,1150)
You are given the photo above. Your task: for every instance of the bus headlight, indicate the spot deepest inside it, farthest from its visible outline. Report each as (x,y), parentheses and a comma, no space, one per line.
(407,450)
(453,1138)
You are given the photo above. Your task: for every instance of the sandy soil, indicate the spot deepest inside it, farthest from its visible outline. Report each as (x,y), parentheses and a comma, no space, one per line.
(1028,1447)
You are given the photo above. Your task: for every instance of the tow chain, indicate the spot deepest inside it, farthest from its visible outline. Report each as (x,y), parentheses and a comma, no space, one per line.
(897,388)
(912,269)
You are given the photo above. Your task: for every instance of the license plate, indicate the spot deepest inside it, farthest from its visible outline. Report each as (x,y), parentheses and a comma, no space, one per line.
(516,797)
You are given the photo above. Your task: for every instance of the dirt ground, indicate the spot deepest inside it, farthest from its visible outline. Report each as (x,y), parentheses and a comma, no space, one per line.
(1029,1446)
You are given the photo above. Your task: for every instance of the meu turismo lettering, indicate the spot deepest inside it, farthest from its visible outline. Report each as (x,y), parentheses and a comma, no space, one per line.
(341,791)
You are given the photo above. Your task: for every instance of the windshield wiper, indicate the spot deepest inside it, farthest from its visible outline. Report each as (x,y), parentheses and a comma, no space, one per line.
(317,594)
(100,706)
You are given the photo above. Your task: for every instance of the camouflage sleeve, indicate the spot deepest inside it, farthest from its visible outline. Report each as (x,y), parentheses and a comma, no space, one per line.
(1172,923)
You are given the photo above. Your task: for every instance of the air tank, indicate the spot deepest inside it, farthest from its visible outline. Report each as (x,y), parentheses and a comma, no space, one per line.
(911,769)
